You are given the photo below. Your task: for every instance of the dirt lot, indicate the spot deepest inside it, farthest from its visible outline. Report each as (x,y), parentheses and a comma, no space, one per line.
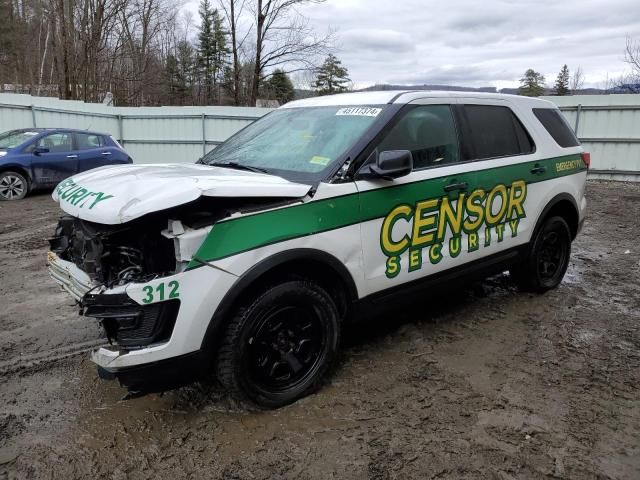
(491,383)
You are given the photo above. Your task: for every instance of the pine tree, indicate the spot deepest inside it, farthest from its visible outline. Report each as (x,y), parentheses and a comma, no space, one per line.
(532,84)
(562,82)
(173,80)
(331,77)
(281,87)
(213,52)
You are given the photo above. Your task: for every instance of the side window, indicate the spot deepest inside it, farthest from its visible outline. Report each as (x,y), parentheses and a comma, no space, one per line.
(429,132)
(496,132)
(56,142)
(553,121)
(87,141)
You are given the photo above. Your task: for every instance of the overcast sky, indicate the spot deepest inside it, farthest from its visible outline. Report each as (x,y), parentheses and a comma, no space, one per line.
(477,42)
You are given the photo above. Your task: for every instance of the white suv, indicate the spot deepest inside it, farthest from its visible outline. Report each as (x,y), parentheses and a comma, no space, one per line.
(246,264)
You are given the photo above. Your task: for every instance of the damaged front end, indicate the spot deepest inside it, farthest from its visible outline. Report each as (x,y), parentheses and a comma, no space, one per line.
(99,263)
(112,256)
(130,260)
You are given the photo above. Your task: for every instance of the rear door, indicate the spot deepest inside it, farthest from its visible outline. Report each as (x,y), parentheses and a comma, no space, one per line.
(505,160)
(92,151)
(58,159)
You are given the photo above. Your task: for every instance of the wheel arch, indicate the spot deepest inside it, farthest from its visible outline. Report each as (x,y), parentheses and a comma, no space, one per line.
(565,206)
(16,167)
(308,263)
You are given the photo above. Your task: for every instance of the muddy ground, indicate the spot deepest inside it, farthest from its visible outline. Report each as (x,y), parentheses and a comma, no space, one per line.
(488,383)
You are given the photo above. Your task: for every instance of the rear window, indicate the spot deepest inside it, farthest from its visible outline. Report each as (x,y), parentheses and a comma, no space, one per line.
(88,141)
(553,121)
(496,132)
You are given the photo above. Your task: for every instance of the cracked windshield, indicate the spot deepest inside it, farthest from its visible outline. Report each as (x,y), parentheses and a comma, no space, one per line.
(300,140)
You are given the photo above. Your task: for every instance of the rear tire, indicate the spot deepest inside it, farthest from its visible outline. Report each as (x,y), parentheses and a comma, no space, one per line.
(548,257)
(13,186)
(278,347)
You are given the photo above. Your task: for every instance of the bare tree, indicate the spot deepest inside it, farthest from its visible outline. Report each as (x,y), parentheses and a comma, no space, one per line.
(577,80)
(283,38)
(233,11)
(631,81)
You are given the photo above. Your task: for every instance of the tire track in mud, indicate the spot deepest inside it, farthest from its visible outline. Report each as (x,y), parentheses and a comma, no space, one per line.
(43,358)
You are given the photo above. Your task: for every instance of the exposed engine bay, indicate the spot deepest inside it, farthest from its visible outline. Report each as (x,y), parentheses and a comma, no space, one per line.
(147,247)
(113,255)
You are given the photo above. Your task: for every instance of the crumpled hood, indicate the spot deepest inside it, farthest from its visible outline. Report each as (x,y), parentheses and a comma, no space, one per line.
(118,194)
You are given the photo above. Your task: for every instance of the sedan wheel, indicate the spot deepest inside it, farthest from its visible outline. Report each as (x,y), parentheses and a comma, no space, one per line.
(13,186)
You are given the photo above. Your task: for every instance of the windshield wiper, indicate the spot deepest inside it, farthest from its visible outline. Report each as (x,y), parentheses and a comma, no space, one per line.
(239,166)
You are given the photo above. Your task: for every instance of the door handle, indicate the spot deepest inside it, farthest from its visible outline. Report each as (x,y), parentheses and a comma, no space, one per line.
(106,153)
(538,169)
(72,156)
(456,186)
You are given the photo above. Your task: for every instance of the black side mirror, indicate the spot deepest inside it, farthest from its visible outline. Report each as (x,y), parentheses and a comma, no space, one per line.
(389,165)
(39,150)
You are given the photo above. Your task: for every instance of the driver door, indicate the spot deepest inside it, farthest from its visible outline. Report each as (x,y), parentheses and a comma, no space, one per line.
(402,238)
(57,160)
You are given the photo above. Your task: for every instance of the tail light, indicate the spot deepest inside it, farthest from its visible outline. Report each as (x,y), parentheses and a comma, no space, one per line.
(586,159)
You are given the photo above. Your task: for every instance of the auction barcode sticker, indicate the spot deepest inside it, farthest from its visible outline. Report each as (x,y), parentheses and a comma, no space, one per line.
(359,111)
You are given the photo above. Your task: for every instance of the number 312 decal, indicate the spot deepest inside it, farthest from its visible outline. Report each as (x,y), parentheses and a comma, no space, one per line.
(158,294)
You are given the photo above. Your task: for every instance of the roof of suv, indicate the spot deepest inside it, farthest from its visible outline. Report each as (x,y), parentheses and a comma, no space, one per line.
(407,96)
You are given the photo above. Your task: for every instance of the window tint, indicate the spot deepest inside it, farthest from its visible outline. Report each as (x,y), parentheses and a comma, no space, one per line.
(87,141)
(496,132)
(553,121)
(56,142)
(429,132)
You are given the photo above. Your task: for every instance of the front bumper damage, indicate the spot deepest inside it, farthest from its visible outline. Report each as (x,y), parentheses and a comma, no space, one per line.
(154,346)
(69,277)
(131,325)
(126,322)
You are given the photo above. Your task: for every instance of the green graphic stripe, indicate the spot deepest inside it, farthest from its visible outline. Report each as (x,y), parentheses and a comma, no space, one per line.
(247,233)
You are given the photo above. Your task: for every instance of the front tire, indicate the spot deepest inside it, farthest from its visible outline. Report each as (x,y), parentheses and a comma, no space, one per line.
(13,186)
(548,258)
(278,347)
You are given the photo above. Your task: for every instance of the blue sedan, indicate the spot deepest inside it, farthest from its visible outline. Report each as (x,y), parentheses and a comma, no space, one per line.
(42,157)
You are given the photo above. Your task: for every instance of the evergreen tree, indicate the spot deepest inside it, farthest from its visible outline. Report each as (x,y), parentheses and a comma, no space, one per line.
(179,72)
(213,52)
(331,77)
(532,84)
(562,82)
(281,87)
(173,81)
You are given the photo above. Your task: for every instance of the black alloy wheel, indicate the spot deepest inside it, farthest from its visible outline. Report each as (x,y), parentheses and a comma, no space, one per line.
(548,257)
(284,347)
(552,256)
(278,347)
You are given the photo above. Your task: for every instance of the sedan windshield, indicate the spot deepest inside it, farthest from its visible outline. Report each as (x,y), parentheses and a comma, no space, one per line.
(295,143)
(15,137)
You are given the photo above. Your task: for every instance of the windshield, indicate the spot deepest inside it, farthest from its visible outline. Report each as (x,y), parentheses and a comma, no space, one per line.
(15,137)
(298,143)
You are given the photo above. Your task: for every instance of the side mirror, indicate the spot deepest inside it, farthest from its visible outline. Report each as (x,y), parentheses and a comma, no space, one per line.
(390,164)
(39,150)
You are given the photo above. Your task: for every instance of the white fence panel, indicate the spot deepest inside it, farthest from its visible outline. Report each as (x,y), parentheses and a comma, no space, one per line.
(609,128)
